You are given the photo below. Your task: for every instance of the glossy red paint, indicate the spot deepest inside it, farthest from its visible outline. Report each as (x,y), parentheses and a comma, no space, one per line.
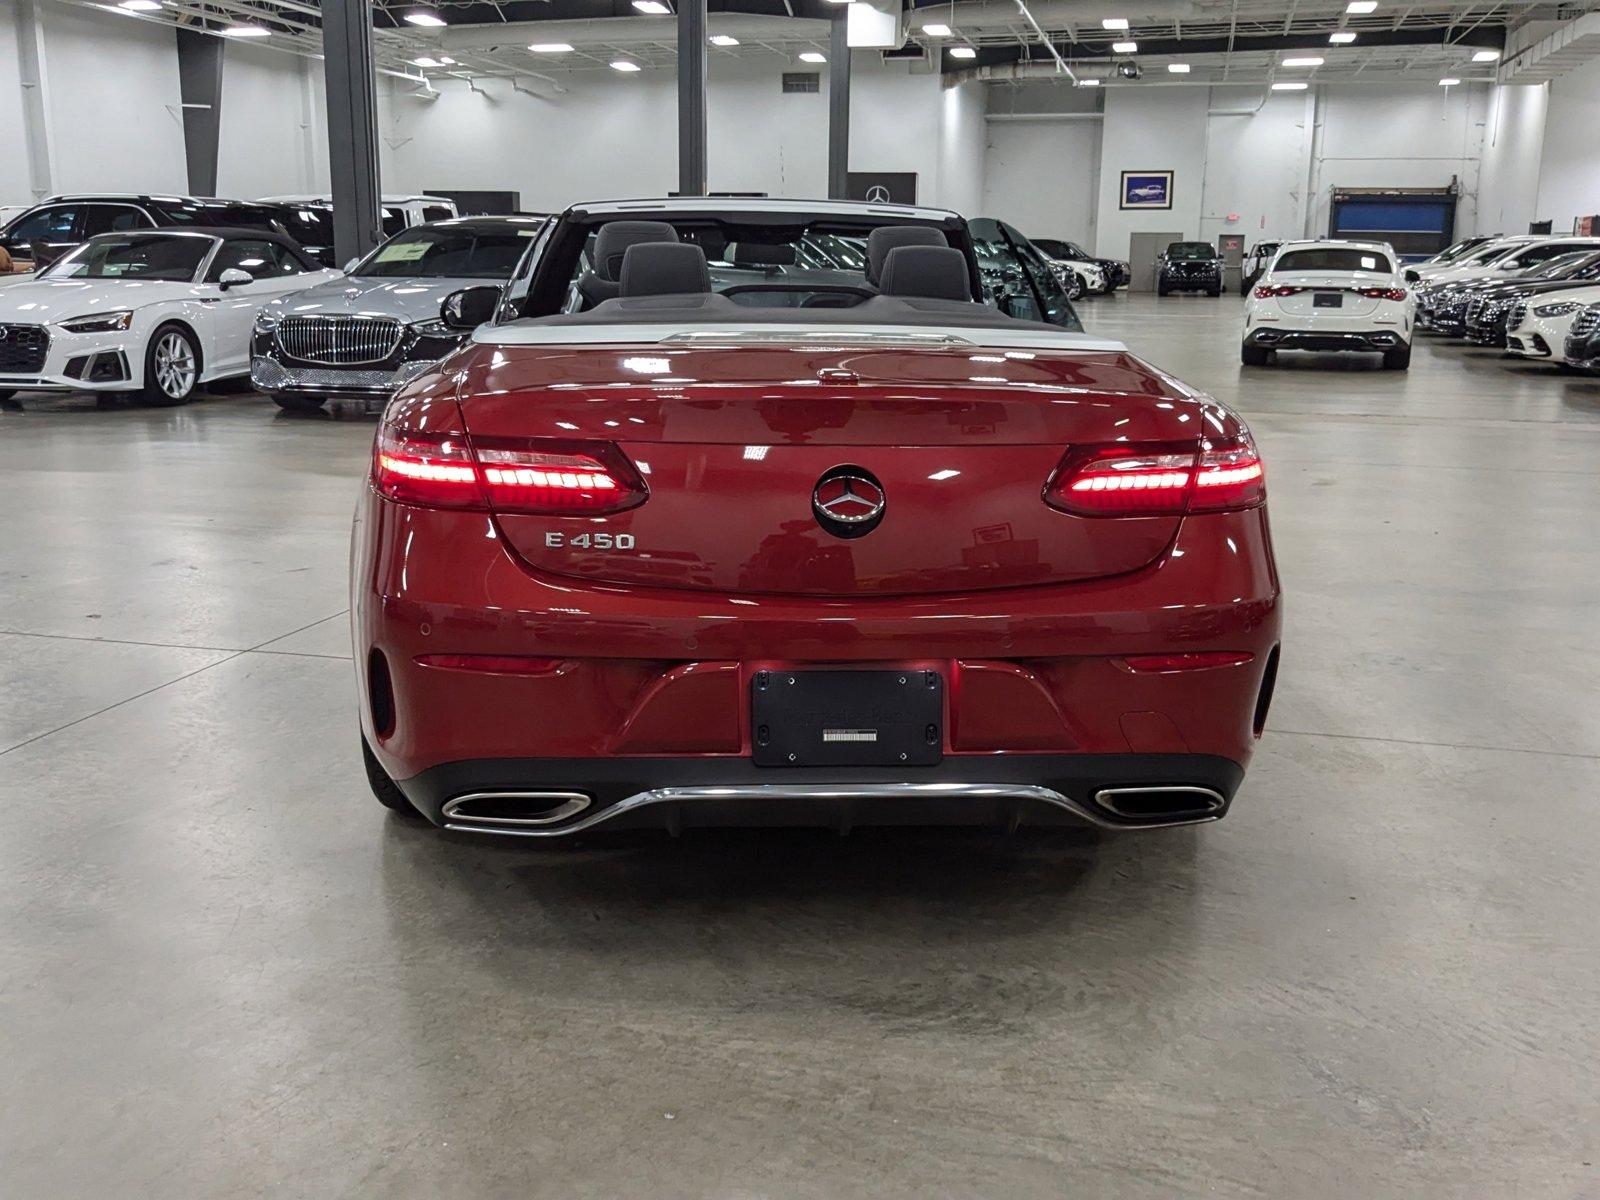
(1030,613)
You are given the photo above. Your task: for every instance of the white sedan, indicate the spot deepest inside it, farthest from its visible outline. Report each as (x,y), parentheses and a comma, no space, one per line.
(1538,326)
(1328,295)
(152,314)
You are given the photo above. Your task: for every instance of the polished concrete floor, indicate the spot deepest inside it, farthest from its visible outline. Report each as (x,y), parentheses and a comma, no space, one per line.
(224,971)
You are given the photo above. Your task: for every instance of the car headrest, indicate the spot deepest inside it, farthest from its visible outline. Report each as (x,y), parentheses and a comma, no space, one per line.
(664,269)
(933,272)
(614,238)
(763,254)
(890,237)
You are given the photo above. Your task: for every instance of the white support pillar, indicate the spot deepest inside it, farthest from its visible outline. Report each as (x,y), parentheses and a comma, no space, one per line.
(32,76)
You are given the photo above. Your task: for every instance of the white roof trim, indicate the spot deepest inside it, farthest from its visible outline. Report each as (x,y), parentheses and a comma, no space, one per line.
(718,334)
(740,204)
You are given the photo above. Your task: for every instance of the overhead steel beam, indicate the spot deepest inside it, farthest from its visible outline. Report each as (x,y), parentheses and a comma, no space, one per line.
(839,106)
(200,89)
(351,79)
(692,168)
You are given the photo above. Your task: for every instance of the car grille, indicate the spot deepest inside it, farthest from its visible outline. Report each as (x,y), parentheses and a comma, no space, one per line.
(23,349)
(1474,311)
(1517,315)
(1587,323)
(339,341)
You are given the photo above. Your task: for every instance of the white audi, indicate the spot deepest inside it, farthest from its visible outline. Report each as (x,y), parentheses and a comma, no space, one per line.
(152,314)
(1328,295)
(1537,327)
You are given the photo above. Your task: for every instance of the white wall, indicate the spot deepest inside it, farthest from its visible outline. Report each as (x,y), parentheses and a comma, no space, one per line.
(1258,154)
(13,136)
(1569,177)
(1513,145)
(960,182)
(272,140)
(1041,173)
(1151,129)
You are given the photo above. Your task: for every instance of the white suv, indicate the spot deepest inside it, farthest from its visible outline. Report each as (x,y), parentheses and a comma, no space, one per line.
(1329,295)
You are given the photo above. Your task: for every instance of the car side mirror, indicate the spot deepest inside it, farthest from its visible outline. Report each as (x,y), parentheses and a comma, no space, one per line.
(1412,276)
(465,310)
(234,277)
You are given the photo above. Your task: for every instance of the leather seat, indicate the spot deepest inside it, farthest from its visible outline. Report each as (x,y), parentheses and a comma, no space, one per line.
(664,269)
(891,237)
(604,281)
(926,272)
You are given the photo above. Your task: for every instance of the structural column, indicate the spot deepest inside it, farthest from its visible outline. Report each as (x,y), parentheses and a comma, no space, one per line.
(35,100)
(200,89)
(692,169)
(351,78)
(839,106)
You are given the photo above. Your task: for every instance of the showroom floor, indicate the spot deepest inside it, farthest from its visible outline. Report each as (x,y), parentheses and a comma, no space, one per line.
(224,971)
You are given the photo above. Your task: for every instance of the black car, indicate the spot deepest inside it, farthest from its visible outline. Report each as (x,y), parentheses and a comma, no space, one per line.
(1489,308)
(309,224)
(49,229)
(1189,267)
(1116,271)
(1583,340)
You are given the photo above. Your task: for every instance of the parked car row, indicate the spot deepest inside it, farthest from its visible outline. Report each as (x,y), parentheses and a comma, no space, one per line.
(1082,272)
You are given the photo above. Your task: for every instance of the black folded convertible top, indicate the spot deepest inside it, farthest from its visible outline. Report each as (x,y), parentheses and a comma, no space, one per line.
(702,308)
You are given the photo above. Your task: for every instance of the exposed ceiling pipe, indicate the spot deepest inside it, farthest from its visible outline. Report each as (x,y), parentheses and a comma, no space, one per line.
(622,31)
(971,15)
(1061,63)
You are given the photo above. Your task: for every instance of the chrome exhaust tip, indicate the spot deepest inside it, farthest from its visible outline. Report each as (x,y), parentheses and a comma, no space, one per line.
(513,810)
(1164,804)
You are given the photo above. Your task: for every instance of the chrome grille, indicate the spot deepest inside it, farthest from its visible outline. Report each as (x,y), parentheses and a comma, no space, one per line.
(23,349)
(1517,315)
(339,341)
(1586,322)
(1474,310)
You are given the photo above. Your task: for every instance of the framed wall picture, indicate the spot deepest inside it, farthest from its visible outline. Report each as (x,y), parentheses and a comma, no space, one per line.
(1147,189)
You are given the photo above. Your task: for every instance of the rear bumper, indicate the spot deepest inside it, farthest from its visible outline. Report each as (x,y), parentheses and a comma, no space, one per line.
(1273,337)
(653,686)
(1191,283)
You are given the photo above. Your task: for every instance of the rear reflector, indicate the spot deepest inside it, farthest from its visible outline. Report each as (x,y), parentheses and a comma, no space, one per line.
(1129,480)
(1204,661)
(492,664)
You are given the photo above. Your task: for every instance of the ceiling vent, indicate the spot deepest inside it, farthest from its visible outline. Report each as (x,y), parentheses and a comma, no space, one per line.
(1573,44)
(802,81)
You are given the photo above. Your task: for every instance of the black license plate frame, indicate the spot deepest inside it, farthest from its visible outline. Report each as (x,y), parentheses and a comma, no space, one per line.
(847,718)
(1327,299)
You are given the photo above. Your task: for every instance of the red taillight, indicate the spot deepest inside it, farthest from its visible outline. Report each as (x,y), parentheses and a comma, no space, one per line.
(1384,293)
(1201,661)
(491,664)
(1125,480)
(1265,293)
(441,470)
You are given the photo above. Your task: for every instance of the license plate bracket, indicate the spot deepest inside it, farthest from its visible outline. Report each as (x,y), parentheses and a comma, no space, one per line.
(1327,300)
(847,718)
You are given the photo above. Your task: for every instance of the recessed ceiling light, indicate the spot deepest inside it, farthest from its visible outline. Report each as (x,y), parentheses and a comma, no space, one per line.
(1290,87)
(654,7)
(1448,82)
(551,47)
(428,20)
(1303,62)
(722,39)
(936,30)
(426,62)
(446,61)
(1342,38)
(140,5)
(1361,6)
(1088,83)
(623,64)
(1486,56)
(1178,68)
(963,52)
(245,31)
(1124,47)
(1117,23)
(813,56)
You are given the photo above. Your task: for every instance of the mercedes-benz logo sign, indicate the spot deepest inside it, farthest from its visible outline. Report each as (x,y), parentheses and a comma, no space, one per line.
(848,501)
(877,194)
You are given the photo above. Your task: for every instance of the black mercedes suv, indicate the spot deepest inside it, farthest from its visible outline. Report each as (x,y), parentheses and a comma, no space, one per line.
(1189,267)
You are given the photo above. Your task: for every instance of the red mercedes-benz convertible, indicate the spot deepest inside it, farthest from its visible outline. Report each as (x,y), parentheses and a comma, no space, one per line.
(757,513)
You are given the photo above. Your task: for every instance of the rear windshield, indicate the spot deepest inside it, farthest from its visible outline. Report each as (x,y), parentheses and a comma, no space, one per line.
(1334,258)
(1191,250)
(308,225)
(434,252)
(147,256)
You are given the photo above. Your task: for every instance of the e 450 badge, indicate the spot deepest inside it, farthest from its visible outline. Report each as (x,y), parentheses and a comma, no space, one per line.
(588,541)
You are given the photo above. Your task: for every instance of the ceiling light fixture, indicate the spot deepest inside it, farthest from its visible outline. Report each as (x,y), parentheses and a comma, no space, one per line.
(1124,47)
(245,31)
(426,62)
(813,56)
(551,47)
(1290,87)
(428,20)
(963,52)
(1302,62)
(1116,23)
(1178,68)
(1343,37)
(654,7)
(1448,82)
(140,5)
(722,39)
(623,64)
(1361,6)
(936,30)
(1486,56)
(1088,83)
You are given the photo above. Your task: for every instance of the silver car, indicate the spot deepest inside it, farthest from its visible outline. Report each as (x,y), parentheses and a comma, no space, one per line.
(378,327)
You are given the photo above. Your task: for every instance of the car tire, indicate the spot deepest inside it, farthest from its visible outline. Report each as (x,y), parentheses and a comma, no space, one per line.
(171,367)
(6,394)
(1397,360)
(300,404)
(1254,356)
(1161,290)
(390,796)
(1216,291)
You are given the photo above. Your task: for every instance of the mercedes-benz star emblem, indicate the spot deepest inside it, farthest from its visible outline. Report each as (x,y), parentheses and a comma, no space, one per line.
(848,502)
(877,194)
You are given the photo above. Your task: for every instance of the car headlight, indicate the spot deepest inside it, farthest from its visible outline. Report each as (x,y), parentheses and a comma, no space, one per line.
(107,322)
(435,328)
(1556,310)
(267,320)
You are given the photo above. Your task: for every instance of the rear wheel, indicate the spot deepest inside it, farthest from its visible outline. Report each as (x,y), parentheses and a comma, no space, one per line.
(1216,291)
(1254,356)
(6,394)
(300,404)
(390,796)
(1161,289)
(171,367)
(1398,359)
